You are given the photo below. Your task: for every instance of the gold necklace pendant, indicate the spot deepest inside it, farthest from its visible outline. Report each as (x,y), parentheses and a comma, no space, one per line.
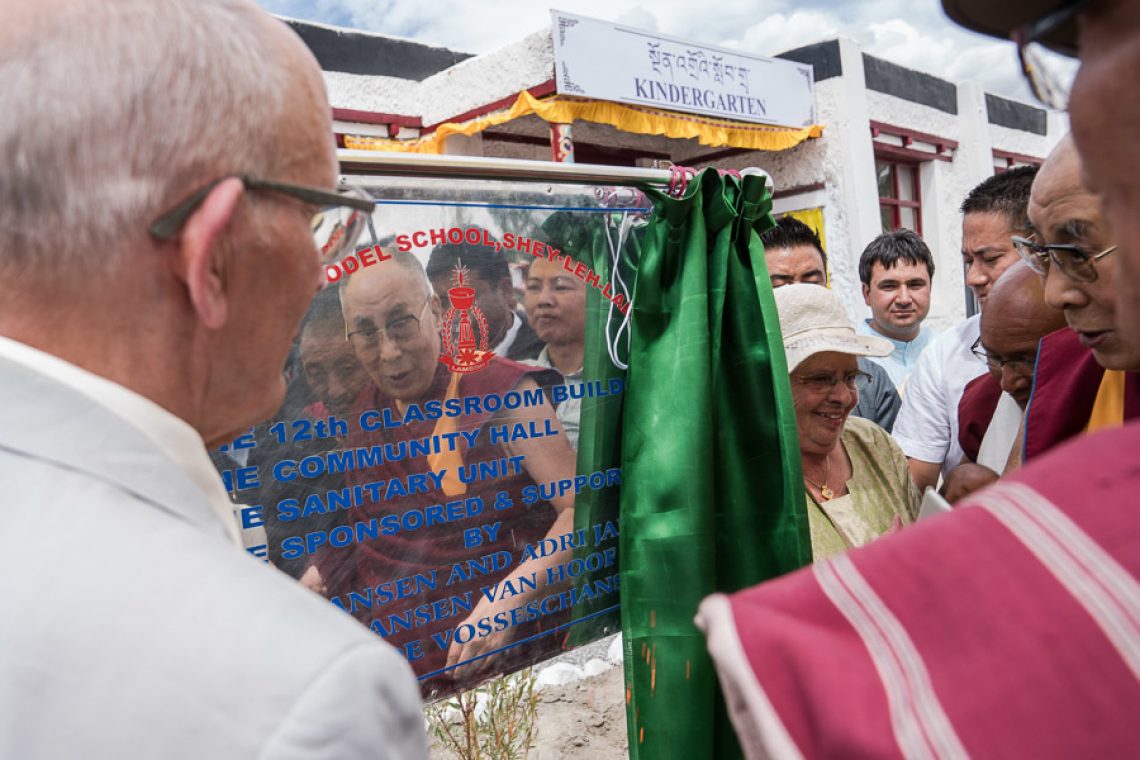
(825,492)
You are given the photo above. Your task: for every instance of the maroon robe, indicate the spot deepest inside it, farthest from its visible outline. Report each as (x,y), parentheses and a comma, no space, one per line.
(1065,384)
(975,411)
(434,551)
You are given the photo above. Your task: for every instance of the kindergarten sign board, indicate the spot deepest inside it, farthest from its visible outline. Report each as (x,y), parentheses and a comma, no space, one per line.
(605,61)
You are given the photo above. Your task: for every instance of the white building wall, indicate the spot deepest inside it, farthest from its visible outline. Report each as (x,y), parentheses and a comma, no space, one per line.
(849,173)
(903,113)
(468,85)
(1058,124)
(828,161)
(942,231)
(945,184)
(377,94)
(842,160)
(942,196)
(1027,143)
(487,78)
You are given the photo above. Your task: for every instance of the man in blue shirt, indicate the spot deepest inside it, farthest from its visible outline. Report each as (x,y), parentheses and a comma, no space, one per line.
(896,270)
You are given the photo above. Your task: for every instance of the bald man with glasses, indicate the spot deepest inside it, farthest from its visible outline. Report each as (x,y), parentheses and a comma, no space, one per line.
(396,325)
(1085,378)
(159,247)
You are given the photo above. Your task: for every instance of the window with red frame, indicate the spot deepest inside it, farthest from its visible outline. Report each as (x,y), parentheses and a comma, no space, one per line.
(900,200)
(1004,161)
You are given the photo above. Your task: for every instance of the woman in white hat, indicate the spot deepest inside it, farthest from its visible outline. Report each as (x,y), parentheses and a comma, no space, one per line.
(856,482)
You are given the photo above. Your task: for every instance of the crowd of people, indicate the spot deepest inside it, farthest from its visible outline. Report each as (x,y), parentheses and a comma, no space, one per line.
(1008,626)
(931,397)
(157,318)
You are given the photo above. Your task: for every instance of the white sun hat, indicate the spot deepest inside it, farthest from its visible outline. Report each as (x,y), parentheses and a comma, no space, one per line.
(813,320)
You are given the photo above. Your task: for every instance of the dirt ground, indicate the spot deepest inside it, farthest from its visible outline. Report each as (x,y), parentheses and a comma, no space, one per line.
(583,719)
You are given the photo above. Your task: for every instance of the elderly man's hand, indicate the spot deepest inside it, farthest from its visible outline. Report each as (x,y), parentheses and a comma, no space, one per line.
(463,653)
(966,478)
(312,580)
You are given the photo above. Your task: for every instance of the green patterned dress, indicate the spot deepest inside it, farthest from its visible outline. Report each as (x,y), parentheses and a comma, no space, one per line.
(880,494)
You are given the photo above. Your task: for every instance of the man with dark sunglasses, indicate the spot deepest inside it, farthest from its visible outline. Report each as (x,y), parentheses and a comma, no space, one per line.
(168,192)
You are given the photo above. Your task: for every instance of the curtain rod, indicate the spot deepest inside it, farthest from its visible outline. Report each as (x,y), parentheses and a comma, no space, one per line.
(482,167)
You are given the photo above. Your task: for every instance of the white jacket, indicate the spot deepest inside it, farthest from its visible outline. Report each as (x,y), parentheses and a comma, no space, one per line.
(130,626)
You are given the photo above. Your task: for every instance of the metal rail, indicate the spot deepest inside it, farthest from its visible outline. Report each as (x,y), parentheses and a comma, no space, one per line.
(482,167)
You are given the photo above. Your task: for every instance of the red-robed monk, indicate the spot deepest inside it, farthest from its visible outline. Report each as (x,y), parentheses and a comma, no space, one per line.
(393,320)
(1086,380)
(1086,376)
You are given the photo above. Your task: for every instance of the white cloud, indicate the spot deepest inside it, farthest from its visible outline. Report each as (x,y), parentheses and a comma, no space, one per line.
(912,33)
(639,17)
(779,32)
(899,42)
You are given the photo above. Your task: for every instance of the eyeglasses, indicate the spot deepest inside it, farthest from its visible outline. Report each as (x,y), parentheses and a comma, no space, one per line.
(1044,84)
(823,382)
(997,363)
(336,227)
(1074,261)
(400,330)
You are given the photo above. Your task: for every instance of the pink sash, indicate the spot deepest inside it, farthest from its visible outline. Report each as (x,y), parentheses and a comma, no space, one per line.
(1009,627)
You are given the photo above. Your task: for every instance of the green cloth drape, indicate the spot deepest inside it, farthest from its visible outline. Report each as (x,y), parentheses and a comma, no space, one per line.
(712,498)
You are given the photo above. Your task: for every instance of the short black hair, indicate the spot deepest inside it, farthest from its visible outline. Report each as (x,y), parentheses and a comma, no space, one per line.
(892,247)
(1006,193)
(480,260)
(325,307)
(790,232)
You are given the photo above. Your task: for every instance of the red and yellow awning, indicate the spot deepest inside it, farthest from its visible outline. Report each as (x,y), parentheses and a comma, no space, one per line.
(707,130)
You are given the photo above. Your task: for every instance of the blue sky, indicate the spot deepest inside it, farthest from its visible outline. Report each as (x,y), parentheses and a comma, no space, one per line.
(912,33)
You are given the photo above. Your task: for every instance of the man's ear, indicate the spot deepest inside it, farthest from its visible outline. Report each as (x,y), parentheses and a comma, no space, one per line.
(201,255)
(867,294)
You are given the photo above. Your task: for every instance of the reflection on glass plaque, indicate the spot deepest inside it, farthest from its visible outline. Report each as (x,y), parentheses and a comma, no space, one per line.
(425,474)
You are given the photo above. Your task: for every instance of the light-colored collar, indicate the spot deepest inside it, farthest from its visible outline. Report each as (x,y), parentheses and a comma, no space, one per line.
(509,339)
(898,344)
(543,360)
(172,435)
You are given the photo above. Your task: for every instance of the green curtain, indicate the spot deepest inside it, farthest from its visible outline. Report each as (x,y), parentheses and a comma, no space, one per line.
(705,435)
(712,497)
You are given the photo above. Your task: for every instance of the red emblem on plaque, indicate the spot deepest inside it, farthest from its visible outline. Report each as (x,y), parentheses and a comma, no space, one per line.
(464,354)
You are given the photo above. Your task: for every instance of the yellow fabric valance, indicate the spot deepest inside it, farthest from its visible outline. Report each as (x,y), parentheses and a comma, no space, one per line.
(708,131)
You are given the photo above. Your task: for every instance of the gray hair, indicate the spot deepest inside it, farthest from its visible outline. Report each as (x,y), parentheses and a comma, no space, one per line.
(114,111)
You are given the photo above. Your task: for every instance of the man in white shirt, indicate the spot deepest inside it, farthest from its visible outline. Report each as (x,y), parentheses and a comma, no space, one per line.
(165,163)
(927,425)
(896,270)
